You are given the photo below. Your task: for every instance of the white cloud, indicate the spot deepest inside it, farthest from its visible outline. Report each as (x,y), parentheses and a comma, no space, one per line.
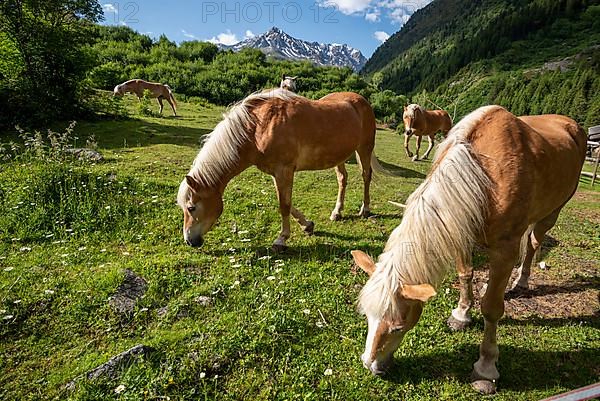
(381,36)
(347,6)
(225,38)
(109,8)
(399,11)
(249,34)
(372,16)
(189,35)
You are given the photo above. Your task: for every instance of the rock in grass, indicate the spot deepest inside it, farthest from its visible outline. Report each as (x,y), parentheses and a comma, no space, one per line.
(129,291)
(86,154)
(111,368)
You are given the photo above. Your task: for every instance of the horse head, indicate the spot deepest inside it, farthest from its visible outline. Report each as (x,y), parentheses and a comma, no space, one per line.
(386,329)
(202,205)
(118,91)
(411,113)
(288,83)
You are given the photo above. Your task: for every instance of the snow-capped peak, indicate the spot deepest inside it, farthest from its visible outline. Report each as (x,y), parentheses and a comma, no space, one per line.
(279,44)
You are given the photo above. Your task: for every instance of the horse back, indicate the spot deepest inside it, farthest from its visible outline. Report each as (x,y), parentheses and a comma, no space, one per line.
(314,135)
(533,163)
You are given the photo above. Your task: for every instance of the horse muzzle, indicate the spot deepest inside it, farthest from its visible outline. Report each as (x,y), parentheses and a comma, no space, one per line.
(195,242)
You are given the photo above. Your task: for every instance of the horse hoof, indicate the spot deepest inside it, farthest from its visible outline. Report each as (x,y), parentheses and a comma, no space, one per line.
(310,228)
(365,214)
(278,248)
(457,325)
(484,387)
(409,154)
(335,217)
(415,159)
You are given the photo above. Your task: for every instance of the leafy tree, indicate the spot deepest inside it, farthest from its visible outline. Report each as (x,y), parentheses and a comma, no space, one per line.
(49,40)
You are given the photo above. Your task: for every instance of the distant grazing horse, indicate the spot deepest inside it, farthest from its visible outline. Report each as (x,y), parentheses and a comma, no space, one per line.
(421,122)
(288,83)
(498,181)
(279,132)
(158,91)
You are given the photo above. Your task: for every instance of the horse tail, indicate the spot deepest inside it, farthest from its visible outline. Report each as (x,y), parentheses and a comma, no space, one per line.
(377,168)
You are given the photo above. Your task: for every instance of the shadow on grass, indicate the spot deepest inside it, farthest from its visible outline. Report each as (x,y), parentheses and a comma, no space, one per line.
(575,285)
(402,171)
(519,367)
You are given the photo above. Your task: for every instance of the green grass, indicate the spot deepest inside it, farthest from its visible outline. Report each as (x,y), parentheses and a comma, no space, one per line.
(276,322)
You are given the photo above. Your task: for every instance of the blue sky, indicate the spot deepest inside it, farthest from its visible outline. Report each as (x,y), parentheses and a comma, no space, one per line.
(362,24)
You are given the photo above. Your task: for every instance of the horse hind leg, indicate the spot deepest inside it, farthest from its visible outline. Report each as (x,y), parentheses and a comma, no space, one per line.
(367,175)
(307,226)
(534,241)
(172,106)
(431,143)
(461,315)
(502,259)
(342,178)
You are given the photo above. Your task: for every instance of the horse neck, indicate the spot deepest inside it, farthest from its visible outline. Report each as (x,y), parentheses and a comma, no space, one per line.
(220,178)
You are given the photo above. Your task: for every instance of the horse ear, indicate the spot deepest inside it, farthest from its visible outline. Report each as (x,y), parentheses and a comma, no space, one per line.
(283,77)
(405,107)
(294,78)
(420,292)
(192,183)
(364,261)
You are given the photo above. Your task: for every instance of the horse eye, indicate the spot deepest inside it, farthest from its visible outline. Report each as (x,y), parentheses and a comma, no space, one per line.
(191,208)
(395,329)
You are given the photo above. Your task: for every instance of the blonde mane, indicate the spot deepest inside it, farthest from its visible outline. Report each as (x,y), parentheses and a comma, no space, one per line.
(411,110)
(441,223)
(220,148)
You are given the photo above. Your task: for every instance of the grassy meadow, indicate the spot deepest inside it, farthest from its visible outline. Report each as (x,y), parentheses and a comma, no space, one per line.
(275,327)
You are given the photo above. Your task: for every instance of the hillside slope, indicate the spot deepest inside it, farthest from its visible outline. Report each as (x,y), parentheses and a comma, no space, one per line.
(530,56)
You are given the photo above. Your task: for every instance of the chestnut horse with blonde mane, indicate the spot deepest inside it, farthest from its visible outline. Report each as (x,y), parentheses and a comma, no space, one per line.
(498,181)
(156,90)
(421,122)
(279,132)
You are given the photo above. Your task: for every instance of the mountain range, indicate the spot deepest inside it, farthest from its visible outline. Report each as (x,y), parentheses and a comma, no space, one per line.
(279,44)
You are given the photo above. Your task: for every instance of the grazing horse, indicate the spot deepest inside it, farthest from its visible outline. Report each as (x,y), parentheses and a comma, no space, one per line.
(158,91)
(498,181)
(279,132)
(421,122)
(288,83)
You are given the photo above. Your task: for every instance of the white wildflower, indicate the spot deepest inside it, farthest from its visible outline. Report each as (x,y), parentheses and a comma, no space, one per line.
(271,278)
(306,311)
(328,372)
(202,375)
(120,388)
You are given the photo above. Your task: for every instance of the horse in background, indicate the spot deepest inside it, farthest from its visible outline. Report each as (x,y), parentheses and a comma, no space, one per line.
(288,83)
(498,181)
(421,122)
(156,90)
(280,133)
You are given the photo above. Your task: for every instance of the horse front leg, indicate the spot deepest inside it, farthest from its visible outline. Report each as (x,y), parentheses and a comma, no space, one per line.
(406,141)
(461,315)
(160,102)
(419,139)
(342,177)
(431,143)
(485,372)
(284,181)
